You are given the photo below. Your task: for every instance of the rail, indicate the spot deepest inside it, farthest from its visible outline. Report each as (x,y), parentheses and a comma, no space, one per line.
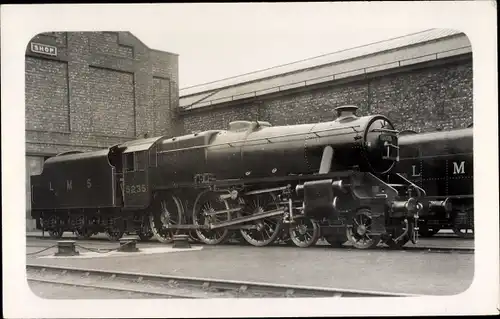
(240,288)
(321,79)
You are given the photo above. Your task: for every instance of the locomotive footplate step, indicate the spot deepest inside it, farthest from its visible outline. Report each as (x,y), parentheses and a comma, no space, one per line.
(66,248)
(128,244)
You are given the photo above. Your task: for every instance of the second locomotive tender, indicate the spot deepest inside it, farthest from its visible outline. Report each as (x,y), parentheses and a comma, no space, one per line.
(310,180)
(442,163)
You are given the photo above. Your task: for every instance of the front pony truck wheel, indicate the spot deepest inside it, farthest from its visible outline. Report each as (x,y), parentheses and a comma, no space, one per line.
(360,234)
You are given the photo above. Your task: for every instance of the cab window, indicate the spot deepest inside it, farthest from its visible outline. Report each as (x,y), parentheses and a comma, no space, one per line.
(129,162)
(140,161)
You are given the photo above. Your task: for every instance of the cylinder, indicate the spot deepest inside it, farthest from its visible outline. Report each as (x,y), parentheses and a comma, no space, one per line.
(409,206)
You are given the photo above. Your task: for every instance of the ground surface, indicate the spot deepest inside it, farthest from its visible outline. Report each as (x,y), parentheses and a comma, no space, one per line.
(416,272)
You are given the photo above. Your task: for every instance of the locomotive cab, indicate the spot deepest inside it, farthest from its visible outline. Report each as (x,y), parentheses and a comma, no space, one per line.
(136,157)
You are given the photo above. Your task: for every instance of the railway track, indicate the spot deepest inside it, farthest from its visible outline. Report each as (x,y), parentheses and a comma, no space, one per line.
(98,241)
(184,287)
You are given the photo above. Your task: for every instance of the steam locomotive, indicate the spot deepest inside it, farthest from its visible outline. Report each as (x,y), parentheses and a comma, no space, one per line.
(441,162)
(254,179)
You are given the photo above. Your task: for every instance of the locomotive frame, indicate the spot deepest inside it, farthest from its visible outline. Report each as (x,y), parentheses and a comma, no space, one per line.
(316,180)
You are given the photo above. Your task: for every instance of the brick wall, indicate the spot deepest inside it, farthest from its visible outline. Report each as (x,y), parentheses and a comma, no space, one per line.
(112,102)
(162,96)
(47,111)
(423,99)
(99,90)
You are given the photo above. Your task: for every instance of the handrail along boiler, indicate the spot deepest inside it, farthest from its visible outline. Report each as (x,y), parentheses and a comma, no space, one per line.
(258,181)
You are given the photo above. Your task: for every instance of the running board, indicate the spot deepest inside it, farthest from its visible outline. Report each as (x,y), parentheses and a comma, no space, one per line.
(244,219)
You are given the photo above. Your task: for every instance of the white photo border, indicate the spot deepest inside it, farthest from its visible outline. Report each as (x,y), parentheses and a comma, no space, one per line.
(477,19)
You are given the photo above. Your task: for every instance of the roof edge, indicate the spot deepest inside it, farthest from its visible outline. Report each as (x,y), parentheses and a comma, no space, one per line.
(161,51)
(144,44)
(319,65)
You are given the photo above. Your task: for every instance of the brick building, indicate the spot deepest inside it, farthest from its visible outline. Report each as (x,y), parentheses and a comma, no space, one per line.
(90,90)
(422,81)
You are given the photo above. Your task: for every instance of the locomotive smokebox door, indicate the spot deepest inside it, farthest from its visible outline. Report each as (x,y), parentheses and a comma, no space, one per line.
(318,199)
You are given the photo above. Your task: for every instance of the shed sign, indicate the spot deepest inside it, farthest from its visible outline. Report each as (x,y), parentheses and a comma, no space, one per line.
(43,49)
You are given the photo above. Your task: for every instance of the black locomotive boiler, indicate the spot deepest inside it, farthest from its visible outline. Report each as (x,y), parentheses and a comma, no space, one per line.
(256,179)
(441,162)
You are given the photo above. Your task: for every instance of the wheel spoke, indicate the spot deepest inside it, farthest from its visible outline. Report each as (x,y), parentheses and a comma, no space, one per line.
(309,237)
(267,233)
(169,213)
(360,235)
(210,203)
(269,228)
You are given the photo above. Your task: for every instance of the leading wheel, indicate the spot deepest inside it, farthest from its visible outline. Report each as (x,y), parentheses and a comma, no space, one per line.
(266,230)
(304,232)
(168,211)
(205,213)
(360,233)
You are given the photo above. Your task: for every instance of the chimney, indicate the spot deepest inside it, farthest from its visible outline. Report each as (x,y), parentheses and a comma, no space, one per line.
(346,111)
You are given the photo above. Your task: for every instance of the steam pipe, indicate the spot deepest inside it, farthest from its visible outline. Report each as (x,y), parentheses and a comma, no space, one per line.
(404,233)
